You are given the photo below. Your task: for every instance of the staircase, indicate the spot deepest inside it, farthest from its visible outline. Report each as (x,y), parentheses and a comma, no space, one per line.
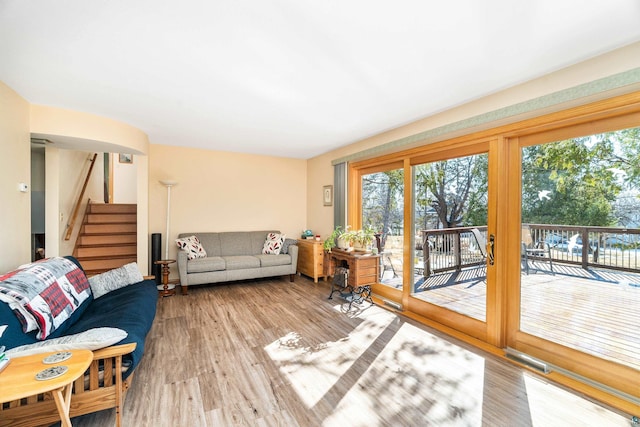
(107,238)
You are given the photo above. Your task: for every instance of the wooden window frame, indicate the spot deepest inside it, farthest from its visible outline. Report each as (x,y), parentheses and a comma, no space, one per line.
(619,112)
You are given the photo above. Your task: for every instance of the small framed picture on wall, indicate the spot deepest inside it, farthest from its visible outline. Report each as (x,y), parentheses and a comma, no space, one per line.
(126,158)
(327,195)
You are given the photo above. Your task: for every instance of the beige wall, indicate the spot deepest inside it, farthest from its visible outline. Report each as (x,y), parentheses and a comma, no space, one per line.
(221,191)
(74,166)
(124,179)
(15,207)
(320,170)
(121,137)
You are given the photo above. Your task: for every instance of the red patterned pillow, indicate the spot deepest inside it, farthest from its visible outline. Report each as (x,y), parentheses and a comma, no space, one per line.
(273,244)
(49,290)
(192,246)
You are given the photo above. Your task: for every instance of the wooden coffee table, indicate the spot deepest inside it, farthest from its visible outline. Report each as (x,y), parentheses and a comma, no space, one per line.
(18,379)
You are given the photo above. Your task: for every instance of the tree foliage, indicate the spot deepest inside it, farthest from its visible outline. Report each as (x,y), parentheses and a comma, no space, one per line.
(382,201)
(592,180)
(577,181)
(455,189)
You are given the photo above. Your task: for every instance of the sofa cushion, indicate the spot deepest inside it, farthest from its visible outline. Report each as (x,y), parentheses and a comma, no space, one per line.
(50,290)
(236,243)
(93,339)
(102,284)
(191,245)
(241,242)
(286,244)
(273,243)
(202,265)
(131,309)
(273,260)
(239,262)
(209,241)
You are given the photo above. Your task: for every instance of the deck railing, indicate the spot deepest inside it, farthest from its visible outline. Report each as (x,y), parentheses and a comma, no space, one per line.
(452,249)
(604,247)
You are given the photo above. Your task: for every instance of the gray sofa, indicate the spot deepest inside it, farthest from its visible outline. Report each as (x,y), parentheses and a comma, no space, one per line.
(234,255)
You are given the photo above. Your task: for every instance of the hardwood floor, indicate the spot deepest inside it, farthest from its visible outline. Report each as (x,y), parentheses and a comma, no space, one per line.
(275,353)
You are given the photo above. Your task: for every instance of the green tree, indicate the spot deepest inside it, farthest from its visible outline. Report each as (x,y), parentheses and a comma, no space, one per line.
(456,189)
(570,182)
(382,200)
(625,160)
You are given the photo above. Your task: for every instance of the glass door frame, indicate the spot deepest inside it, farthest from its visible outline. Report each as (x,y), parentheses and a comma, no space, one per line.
(354,217)
(606,112)
(489,331)
(603,371)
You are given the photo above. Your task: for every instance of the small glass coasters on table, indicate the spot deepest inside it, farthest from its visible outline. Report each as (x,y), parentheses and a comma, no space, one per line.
(51,373)
(57,357)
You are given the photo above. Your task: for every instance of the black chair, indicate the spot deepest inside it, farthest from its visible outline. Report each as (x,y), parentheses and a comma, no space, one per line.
(531,249)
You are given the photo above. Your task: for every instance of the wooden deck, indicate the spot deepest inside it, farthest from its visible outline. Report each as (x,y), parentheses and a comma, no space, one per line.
(595,310)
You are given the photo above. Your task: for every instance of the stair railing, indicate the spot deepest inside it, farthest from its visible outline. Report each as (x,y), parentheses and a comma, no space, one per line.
(76,208)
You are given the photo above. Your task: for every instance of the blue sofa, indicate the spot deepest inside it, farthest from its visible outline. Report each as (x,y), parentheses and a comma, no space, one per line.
(131,308)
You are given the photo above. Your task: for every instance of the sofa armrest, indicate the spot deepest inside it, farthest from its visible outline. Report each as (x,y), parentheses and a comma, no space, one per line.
(293,251)
(114,350)
(182,268)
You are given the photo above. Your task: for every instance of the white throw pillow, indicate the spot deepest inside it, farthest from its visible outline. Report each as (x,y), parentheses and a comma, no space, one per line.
(192,246)
(273,244)
(117,278)
(93,339)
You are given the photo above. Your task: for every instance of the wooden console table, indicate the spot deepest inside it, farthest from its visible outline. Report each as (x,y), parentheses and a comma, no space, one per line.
(364,268)
(363,271)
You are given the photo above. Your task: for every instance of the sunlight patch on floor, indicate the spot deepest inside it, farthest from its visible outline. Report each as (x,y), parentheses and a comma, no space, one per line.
(415,370)
(313,371)
(541,395)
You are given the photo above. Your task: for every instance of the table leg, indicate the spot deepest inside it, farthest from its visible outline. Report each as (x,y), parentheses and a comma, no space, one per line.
(165,282)
(62,397)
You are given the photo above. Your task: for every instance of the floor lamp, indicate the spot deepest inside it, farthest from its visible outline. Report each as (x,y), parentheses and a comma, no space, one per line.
(168,184)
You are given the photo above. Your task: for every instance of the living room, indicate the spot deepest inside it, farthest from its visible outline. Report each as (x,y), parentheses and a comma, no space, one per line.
(226,190)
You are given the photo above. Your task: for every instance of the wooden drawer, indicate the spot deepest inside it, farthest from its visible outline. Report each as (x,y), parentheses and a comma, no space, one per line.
(311,258)
(363,268)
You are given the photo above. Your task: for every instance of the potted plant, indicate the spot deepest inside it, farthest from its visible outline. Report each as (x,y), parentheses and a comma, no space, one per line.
(347,238)
(331,241)
(363,238)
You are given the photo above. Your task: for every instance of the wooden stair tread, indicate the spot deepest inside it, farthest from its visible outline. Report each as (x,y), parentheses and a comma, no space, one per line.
(124,233)
(109,245)
(107,237)
(105,257)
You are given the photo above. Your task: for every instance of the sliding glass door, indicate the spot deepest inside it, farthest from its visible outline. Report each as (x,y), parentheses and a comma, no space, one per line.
(431,218)
(525,236)
(382,204)
(450,207)
(579,279)
(452,227)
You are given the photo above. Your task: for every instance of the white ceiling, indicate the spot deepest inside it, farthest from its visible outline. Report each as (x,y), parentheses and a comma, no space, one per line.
(293,78)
